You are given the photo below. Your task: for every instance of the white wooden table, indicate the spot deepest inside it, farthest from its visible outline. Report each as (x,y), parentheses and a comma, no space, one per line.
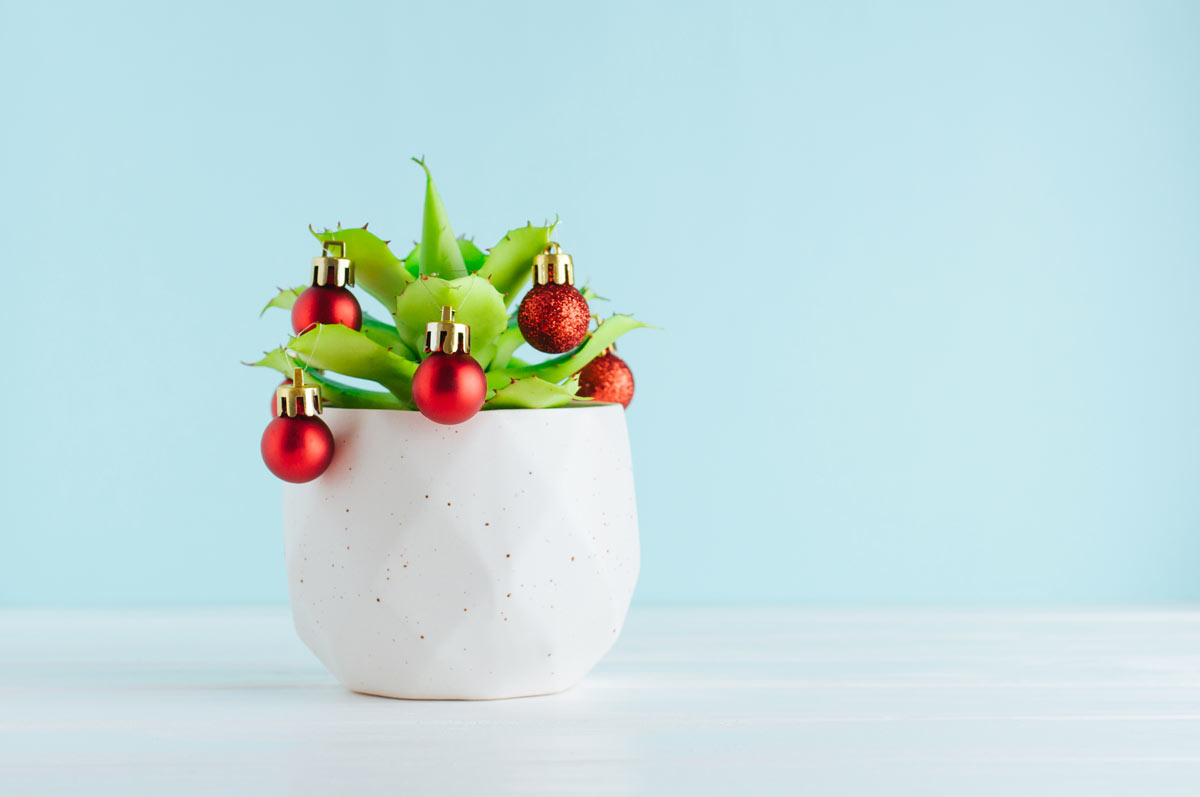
(691,701)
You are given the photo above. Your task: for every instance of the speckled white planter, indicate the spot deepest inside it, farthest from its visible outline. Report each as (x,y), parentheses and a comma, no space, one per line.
(496,558)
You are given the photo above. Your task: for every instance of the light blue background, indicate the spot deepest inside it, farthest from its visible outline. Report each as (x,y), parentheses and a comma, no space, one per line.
(927,276)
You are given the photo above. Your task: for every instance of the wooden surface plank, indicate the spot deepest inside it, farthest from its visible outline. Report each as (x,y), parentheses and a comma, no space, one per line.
(691,701)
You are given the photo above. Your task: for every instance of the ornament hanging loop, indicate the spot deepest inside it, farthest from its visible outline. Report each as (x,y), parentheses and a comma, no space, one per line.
(553,266)
(447,335)
(330,270)
(297,398)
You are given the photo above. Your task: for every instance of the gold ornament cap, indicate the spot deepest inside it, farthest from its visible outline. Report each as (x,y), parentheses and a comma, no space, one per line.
(330,270)
(553,265)
(447,335)
(297,398)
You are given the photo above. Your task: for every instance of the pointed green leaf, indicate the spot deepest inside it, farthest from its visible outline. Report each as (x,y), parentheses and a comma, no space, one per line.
(333,347)
(386,335)
(559,368)
(337,394)
(440,255)
(412,263)
(473,258)
(509,264)
(284,299)
(276,360)
(376,270)
(333,393)
(508,342)
(531,393)
(475,303)
(382,332)
(591,295)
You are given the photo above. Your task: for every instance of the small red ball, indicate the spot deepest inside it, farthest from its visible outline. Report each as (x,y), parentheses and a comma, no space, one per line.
(325,304)
(297,449)
(607,378)
(553,318)
(449,388)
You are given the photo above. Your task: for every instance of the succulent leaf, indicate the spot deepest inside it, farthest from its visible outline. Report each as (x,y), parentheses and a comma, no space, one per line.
(440,255)
(276,360)
(475,303)
(337,348)
(531,393)
(338,394)
(509,264)
(382,332)
(284,299)
(376,270)
(591,295)
(386,335)
(509,341)
(559,368)
(473,258)
(333,393)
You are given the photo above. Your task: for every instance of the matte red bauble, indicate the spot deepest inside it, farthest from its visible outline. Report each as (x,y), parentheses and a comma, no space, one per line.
(553,316)
(297,449)
(297,446)
(607,378)
(325,304)
(449,388)
(328,300)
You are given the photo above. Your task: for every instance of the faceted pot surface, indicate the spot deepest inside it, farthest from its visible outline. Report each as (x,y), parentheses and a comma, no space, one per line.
(494,558)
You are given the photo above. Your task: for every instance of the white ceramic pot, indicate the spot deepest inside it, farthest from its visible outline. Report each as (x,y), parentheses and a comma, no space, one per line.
(495,558)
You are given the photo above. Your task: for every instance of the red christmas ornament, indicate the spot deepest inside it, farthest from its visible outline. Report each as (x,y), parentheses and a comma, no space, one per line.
(325,304)
(553,316)
(328,300)
(449,386)
(297,446)
(607,378)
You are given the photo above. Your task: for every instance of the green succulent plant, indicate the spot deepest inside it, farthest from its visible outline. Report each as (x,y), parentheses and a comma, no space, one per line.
(440,270)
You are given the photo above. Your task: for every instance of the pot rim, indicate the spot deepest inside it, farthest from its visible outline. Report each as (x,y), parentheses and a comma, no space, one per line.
(483,413)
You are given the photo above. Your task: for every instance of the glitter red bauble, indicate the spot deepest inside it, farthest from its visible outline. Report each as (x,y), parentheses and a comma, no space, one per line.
(607,378)
(449,388)
(297,449)
(553,318)
(325,304)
